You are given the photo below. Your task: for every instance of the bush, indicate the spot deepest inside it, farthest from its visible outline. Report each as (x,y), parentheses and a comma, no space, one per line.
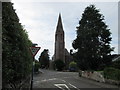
(73,66)
(59,65)
(112,73)
(36,67)
(116,64)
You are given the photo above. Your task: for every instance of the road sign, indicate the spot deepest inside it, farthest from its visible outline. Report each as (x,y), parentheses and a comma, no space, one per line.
(34,50)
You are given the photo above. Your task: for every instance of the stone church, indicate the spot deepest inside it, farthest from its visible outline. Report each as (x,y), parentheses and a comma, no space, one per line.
(60,52)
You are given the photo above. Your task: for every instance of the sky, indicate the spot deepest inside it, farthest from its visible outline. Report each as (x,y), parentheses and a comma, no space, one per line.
(40,20)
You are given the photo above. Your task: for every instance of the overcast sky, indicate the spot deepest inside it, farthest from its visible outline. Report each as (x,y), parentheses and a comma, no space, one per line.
(40,20)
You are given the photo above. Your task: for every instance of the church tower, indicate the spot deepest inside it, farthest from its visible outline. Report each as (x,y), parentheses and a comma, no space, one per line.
(59,41)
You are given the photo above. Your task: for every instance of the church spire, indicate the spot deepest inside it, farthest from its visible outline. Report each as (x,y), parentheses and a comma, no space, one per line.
(59,24)
(59,41)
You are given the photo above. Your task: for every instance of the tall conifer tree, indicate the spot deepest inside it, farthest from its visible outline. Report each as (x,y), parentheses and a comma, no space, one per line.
(93,40)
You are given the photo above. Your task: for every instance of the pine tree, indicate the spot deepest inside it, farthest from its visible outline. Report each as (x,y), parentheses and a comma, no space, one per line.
(16,57)
(93,40)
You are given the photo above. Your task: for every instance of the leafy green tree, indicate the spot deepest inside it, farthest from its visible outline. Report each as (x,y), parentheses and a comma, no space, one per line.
(44,59)
(16,57)
(73,66)
(93,40)
(59,65)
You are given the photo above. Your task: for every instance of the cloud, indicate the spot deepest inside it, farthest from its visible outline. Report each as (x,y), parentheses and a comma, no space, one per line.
(40,20)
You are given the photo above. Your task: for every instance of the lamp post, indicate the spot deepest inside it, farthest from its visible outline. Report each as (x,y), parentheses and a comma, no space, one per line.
(34,51)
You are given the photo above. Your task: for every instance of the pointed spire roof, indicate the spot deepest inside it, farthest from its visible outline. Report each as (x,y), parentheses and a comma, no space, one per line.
(59,24)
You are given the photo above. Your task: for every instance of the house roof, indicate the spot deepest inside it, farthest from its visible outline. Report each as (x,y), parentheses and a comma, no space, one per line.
(117,58)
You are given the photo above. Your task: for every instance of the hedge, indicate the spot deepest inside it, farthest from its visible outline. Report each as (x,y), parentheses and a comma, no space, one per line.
(112,73)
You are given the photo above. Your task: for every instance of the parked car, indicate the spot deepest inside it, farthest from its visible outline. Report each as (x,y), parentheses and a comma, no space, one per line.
(72,69)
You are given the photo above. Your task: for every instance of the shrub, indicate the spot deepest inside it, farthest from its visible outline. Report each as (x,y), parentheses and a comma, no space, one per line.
(112,73)
(59,65)
(36,67)
(73,66)
(116,64)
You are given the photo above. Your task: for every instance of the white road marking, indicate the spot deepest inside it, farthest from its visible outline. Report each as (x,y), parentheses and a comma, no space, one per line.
(52,79)
(63,80)
(61,86)
(44,80)
(48,79)
(66,77)
(59,72)
(74,86)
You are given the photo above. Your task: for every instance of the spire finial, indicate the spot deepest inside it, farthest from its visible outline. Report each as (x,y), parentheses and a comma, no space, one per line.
(59,13)
(59,20)
(59,24)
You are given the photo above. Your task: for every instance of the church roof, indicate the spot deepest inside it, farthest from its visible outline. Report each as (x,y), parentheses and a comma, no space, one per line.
(66,52)
(59,24)
(116,59)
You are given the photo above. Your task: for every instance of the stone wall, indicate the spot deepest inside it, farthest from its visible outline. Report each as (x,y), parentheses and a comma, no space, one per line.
(97,76)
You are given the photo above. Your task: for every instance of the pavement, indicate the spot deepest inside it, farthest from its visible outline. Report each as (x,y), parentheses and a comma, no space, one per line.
(67,81)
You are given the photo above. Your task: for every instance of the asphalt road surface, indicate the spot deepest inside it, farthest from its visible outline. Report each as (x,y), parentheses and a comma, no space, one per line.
(67,81)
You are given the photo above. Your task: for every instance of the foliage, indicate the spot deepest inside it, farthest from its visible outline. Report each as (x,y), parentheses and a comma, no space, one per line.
(37,66)
(93,40)
(73,66)
(116,64)
(59,64)
(44,59)
(112,73)
(16,57)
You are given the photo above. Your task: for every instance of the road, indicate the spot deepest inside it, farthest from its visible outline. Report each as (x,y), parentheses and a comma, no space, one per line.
(66,81)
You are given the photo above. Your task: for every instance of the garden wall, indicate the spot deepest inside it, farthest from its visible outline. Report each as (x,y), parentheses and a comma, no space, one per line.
(97,76)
